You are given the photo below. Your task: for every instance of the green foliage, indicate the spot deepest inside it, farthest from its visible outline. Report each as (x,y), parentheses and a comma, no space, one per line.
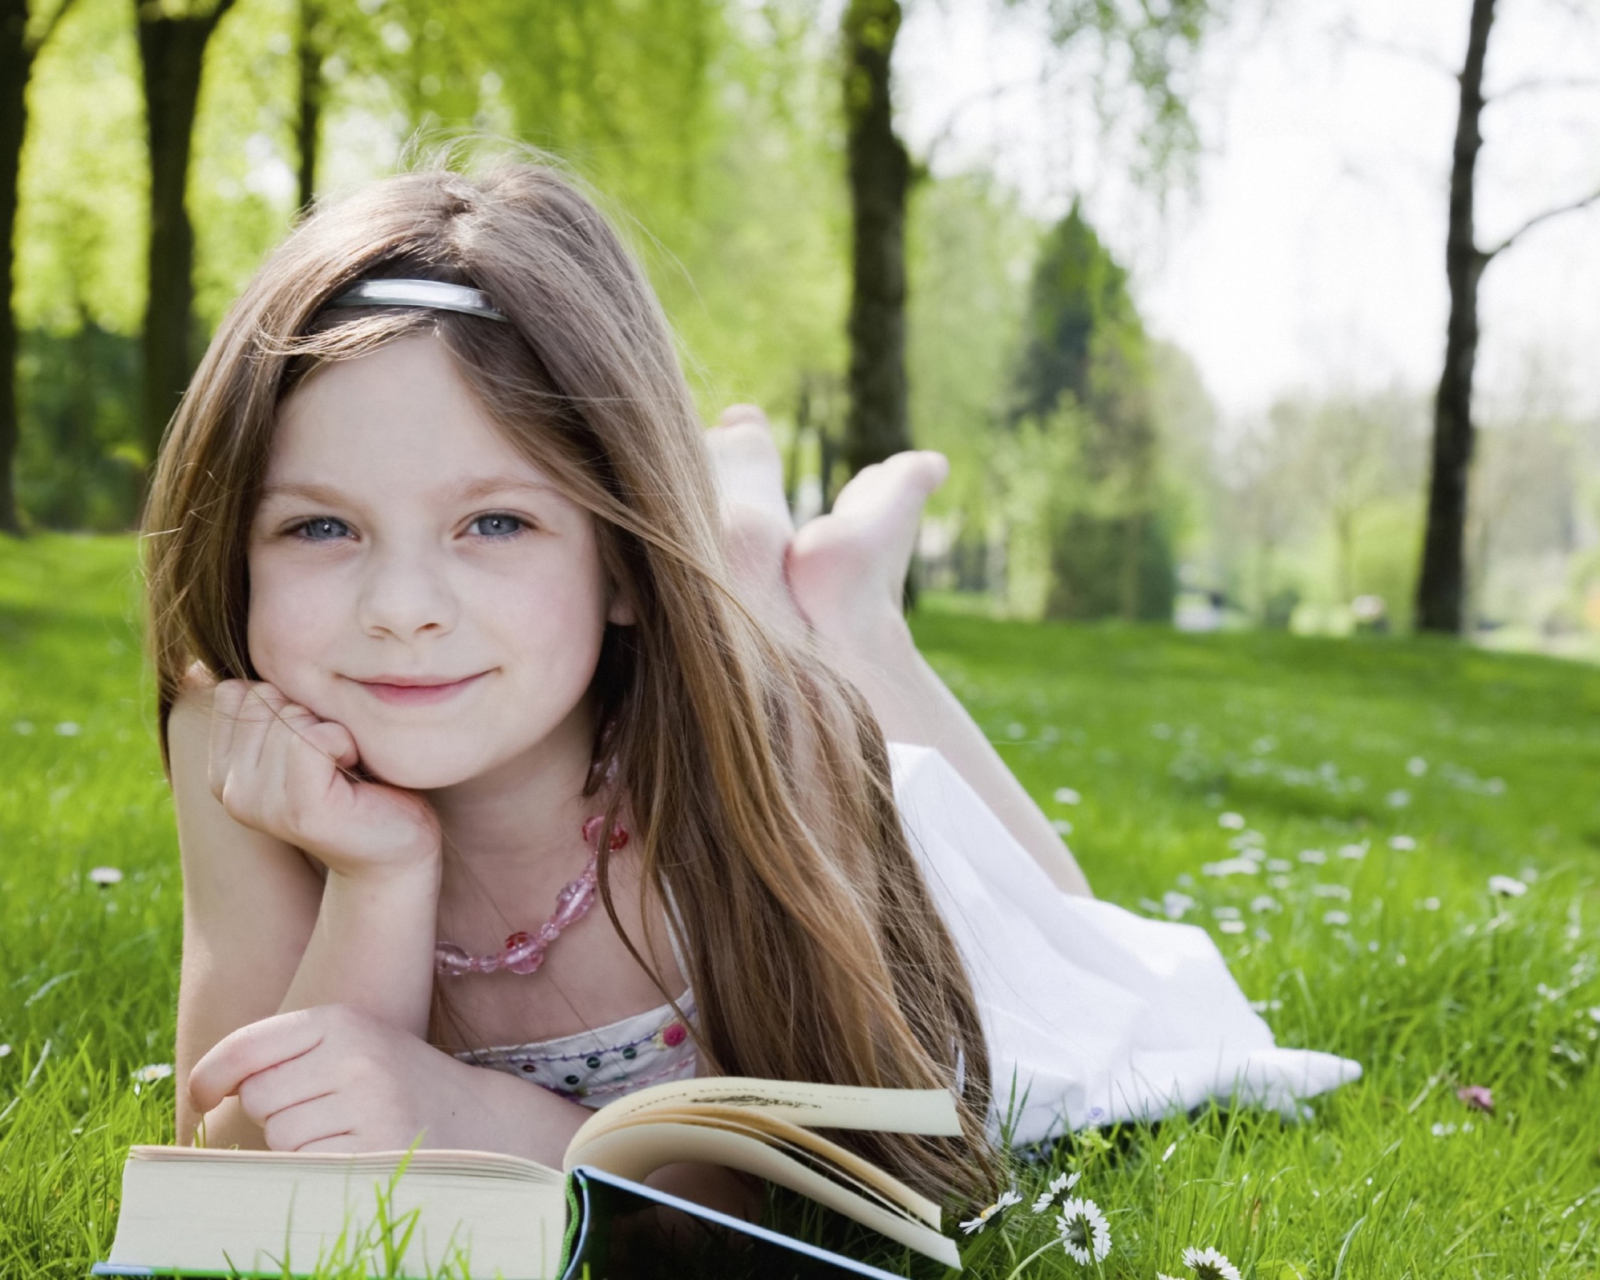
(969,248)
(749,263)
(1320,500)
(1146,54)
(1083,334)
(1429,981)
(79,466)
(712,132)
(81,222)
(1084,376)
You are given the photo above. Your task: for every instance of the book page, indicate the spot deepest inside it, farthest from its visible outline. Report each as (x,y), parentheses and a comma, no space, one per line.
(267,1213)
(930,1112)
(839,1161)
(474,1164)
(637,1151)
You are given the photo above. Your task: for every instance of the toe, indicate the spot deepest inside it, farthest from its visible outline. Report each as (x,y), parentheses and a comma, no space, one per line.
(737,414)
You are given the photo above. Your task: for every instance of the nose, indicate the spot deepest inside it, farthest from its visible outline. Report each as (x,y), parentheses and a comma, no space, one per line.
(406,594)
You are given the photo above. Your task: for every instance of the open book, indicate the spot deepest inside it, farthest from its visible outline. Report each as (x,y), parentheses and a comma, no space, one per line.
(195,1211)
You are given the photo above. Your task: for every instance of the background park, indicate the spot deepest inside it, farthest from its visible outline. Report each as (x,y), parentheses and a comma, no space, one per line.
(1260,336)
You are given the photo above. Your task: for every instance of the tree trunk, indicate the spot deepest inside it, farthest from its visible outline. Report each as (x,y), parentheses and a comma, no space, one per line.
(172,55)
(308,123)
(16,61)
(880,173)
(1441,584)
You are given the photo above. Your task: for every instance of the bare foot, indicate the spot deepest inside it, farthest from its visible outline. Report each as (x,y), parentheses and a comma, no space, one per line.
(847,569)
(756,526)
(746,463)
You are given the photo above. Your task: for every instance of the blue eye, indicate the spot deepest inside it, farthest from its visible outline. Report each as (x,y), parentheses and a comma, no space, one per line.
(497,524)
(323,529)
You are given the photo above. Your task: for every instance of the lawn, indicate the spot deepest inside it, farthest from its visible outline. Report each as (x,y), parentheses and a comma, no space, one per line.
(1357,797)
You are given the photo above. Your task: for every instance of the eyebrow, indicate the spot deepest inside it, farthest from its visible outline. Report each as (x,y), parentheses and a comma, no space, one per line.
(331,496)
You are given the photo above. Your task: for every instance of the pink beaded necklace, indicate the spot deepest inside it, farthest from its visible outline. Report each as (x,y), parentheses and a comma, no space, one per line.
(524,952)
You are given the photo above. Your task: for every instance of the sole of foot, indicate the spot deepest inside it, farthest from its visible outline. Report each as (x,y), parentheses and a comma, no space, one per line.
(847,569)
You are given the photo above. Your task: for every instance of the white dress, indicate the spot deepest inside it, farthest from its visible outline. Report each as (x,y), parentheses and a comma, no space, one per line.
(1092,1014)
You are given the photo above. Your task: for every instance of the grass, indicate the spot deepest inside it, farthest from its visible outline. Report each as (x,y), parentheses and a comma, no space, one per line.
(1397,956)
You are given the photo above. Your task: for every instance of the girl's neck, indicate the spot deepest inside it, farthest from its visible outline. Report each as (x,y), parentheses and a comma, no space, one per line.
(527,808)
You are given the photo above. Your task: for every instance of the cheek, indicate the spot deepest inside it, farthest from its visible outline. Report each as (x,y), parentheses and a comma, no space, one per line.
(558,627)
(288,625)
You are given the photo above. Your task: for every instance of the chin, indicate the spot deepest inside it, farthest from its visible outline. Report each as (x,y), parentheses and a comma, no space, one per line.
(423,766)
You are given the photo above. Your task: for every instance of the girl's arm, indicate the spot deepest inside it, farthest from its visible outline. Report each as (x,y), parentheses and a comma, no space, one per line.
(263,934)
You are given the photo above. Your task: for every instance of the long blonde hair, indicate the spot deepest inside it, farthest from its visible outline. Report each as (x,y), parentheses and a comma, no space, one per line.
(757,780)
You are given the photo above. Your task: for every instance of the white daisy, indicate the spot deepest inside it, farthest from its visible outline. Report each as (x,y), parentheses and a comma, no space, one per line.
(1005,1201)
(1061,1182)
(1210,1264)
(1085,1234)
(150,1074)
(1507,886)
(105,875)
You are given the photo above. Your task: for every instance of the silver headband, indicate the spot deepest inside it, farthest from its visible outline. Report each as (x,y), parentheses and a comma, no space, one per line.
(420,293)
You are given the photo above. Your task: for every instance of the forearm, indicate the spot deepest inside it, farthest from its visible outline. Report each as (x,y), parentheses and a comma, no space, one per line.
(372,947)
(495,1111)
(913,705)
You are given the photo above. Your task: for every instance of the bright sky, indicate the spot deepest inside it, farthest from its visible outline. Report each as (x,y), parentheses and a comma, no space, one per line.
(1310,254)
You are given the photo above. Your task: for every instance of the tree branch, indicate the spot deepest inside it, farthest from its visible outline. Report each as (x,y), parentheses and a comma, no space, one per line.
(1347,32)
(1543,85)
(992,94)
(1489,254)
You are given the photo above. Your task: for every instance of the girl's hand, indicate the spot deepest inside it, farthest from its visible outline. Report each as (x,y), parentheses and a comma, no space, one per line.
(332,1078)
(276,768)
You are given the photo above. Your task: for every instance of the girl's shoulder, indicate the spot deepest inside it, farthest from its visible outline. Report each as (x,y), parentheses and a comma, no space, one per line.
(195,693)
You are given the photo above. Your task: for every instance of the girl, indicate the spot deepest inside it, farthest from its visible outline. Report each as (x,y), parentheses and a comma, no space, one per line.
(454,640)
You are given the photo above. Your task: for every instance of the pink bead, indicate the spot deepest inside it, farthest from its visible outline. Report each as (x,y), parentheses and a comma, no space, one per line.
(591,833)
(524,953)
(673,1036)
(526,958)
(573,909)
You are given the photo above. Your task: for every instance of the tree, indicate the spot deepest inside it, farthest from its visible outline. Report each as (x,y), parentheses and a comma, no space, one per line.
(880,175)
(308,113)
(172,48)
(1353,453)
(1084,374)
(1145,43)
(21,37)
(1441,584)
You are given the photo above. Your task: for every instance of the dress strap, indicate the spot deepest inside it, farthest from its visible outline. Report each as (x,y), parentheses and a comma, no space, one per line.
(675,930)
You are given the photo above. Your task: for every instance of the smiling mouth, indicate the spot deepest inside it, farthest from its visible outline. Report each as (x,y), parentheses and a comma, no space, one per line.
(416,691)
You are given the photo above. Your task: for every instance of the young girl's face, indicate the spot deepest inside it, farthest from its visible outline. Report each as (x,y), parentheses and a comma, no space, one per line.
(415,579)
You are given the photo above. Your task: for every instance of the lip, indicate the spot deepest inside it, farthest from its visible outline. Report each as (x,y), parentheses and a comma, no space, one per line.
(417,691)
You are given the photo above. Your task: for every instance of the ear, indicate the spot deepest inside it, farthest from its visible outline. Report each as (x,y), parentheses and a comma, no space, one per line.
(620,611)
